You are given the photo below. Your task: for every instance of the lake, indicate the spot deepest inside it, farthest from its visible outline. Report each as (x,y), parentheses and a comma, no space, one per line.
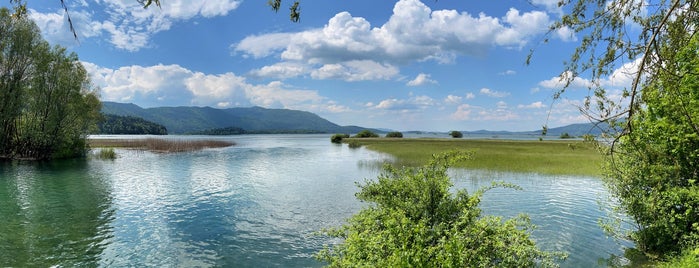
(257,204)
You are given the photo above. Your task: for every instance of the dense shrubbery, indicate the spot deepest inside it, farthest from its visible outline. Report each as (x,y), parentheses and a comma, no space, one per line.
(337,138)
(417,221)
(366,134)
(456,134)
(394,134)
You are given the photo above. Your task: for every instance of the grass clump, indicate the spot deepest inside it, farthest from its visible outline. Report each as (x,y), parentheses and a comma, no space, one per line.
(337,138)
(545,157)
(106,153)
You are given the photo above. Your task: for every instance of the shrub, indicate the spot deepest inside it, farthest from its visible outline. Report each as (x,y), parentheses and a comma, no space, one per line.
(565,135)
(354,144)
(107,153)
(456,134)
(416,220)
(337,138)
(394,134)
(366,134)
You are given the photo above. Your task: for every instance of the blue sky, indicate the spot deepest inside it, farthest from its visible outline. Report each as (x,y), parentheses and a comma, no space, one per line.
(404,65)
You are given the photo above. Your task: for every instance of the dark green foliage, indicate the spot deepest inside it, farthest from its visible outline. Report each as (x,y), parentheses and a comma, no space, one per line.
(565,135)
(106,153)
(354,144)
(46,104)
(415,220)
(366,134)
(222,131)
(456,134)
(394,134)
(654,168)
(337,138)
(115,124)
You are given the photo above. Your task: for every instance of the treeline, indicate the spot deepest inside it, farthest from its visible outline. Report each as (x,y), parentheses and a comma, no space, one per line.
(240,131)
(115,124)
(47,105)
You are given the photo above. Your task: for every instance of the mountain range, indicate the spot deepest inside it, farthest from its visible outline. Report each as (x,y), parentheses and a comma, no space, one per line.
(187,119)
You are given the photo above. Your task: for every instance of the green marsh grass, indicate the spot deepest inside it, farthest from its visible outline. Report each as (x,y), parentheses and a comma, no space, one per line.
(159,145)
(570,157)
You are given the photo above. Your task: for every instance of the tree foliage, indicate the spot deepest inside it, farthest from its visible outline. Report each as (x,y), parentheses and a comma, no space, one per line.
(394,134)
(46,103)
(655,169)
(415,220)
(115,124)
(366,134)
(456,134)
(654,157)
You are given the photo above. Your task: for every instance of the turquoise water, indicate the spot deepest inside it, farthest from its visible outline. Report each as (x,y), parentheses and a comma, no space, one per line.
(257,204)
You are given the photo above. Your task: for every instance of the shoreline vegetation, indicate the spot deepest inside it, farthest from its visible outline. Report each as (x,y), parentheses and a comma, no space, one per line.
(546,157)
(159,145)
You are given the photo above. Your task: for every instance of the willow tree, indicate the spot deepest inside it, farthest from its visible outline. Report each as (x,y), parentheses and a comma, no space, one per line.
(653,160)
(48,105)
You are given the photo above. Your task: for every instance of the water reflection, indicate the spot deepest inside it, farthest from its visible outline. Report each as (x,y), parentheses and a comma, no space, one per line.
(52,214)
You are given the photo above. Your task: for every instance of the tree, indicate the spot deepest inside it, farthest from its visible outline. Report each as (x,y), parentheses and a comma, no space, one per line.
(48,106)
(456,134)
(394,134)
(415,220)
(655,169)
(366,134)
(653,159)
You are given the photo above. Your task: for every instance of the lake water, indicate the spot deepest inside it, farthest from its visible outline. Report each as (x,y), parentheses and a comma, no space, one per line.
(257,204)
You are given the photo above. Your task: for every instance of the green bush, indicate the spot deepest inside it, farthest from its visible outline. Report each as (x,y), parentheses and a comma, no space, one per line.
(107,153)
(565,135)
(394,134)
(337,138)
(354,144)
(416,220)
(366,134)
(456,134)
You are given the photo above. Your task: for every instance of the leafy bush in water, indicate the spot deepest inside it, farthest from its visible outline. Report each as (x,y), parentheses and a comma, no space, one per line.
(394,134)
(354,144)
(366,134)
(416,221)
(456,134)
(337,138)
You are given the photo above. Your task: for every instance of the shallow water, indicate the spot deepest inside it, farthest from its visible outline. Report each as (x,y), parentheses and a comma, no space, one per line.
(257,204)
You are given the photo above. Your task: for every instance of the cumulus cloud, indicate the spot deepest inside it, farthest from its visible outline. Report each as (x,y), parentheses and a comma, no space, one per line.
(358,70)
(451,99)
(414,103)
(414,32)
(470,96)
(533,105)
(421,80)
(174,85)
(129,25)
(492,93)
(620,78)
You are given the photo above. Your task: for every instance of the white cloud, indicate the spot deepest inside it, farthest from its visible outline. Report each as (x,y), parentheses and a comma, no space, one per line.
(173,85)
(414,32)
(560,81)
(280,70)
(356,71)
(533,105)
(129,25)
(508,72)
(451,99)
(620,78)
(492,93)
(414,103)
(470,96)
(421,80)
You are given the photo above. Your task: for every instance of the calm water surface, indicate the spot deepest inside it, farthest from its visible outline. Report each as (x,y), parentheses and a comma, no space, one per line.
(257,204)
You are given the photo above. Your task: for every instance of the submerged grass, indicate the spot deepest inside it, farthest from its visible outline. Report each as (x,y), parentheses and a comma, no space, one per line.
(545,157)
(160,145)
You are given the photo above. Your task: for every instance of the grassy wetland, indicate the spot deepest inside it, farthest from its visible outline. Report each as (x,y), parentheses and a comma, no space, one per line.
(569,157)
(159,145)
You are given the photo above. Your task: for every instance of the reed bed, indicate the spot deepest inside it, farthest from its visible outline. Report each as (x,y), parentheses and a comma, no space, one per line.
(545,157)
(160,145)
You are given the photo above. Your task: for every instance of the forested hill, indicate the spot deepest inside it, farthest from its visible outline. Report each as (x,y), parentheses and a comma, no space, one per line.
(183,120)
(115,124)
